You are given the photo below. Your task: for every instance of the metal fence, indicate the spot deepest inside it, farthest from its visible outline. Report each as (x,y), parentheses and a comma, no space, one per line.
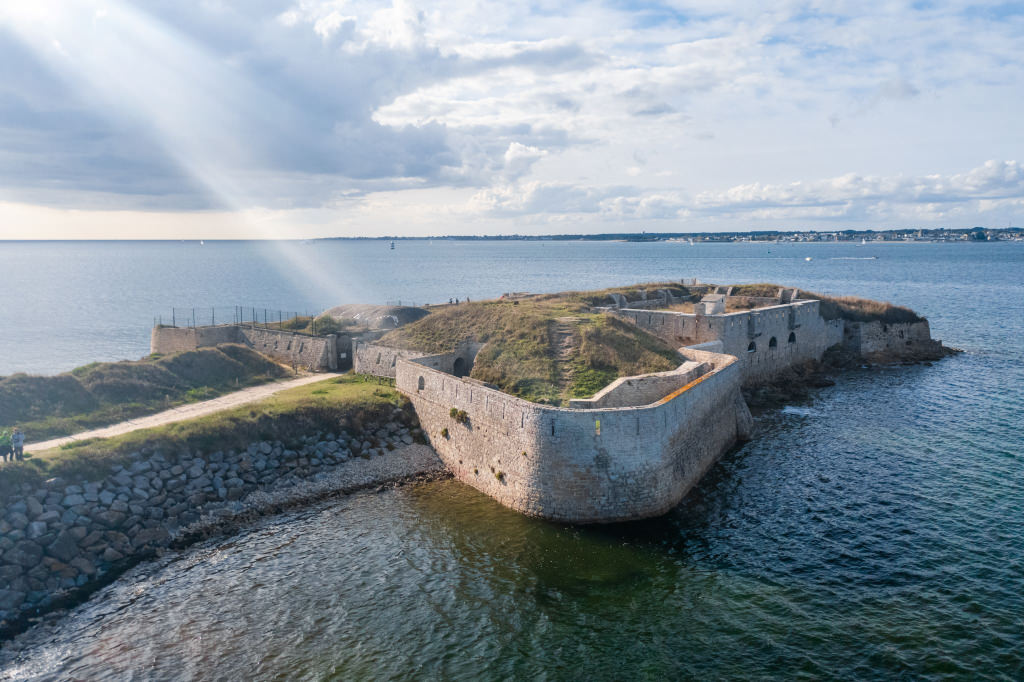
(299,321)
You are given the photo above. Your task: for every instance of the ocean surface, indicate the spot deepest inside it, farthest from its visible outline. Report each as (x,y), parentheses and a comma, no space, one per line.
(875,531)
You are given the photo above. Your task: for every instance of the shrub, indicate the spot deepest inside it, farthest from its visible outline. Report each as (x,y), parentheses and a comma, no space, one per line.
(444,432)
(458,415)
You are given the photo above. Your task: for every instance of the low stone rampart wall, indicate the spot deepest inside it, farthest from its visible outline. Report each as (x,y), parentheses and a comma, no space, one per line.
(579,466)
(874,339)
(642,389)
(62,535)
(380,360)
(166,340)
(314,353)
(767,341)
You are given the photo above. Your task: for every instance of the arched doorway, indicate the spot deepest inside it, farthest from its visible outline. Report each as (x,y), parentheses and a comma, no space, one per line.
(459,368)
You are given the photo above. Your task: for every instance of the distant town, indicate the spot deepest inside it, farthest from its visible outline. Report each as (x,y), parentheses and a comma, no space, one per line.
(971,234)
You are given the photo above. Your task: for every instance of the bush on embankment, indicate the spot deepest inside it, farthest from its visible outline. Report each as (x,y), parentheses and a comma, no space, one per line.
(349,401)
(104,393)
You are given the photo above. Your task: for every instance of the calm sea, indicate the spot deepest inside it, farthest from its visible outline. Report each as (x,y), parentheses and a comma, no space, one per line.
(873,532)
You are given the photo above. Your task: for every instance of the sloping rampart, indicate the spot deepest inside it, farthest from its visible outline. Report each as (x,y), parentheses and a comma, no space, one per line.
(579,465)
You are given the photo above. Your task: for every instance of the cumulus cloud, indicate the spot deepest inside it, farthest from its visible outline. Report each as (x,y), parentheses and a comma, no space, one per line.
(991,186)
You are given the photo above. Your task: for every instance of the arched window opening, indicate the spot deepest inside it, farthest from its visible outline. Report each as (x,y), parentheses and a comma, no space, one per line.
(792,337)
(752,348)
(420,384)
(378,358)
(772,343)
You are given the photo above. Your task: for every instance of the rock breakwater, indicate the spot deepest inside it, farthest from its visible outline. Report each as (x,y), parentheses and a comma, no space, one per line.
(61,539)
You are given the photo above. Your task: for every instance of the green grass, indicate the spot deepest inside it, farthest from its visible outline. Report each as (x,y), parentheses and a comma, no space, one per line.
(861,309)
(520,354)
(103,393)
(759,290)
(346,402)
(837,307)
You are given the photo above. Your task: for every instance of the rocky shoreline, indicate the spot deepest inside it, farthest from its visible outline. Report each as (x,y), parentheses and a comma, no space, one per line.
(61,540)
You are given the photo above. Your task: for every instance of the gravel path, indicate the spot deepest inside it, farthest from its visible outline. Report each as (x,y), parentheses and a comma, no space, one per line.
(190,411)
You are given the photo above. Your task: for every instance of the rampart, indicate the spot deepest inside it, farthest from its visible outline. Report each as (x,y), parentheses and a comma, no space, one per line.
(888,340)
(594,465)
(314,353)
(766,341)
(642,389)
(380,360)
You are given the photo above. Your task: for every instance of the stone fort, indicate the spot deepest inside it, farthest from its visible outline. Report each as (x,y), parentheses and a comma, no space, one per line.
(631,451)
(638,446)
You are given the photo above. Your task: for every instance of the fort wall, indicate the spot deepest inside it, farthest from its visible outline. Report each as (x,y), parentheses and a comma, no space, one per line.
(872,339)
(642,389)
(314,353)
(579,465)
(766,341)
(380,360)
(166,340)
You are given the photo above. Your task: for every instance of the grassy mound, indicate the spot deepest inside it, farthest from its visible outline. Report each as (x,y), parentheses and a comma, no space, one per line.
(346,402)
(544,348)
(105,393)
(838,307)
(635,292)
(861,309)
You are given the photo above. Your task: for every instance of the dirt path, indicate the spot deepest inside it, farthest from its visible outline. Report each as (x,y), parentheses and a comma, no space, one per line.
(563,335)
(190,411)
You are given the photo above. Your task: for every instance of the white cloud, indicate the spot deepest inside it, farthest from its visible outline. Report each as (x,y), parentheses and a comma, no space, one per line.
(723,112)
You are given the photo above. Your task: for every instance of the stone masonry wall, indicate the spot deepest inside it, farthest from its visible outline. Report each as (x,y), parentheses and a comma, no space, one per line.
(60,536)
(642,389)
(166,340)
(891,340)
(782,336)
(314,353)
(579,466)
(380,360)
(371,358)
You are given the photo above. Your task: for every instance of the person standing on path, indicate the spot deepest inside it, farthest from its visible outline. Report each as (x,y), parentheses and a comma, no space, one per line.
(18,443)
(5,446)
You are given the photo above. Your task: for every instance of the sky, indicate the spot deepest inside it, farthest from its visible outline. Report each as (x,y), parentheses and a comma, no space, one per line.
(315,118)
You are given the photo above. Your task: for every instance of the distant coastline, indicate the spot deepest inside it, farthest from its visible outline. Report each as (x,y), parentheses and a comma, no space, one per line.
(895,236)
(967,235)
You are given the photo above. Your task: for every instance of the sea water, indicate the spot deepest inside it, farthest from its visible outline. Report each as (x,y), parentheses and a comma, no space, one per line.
(874,531)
